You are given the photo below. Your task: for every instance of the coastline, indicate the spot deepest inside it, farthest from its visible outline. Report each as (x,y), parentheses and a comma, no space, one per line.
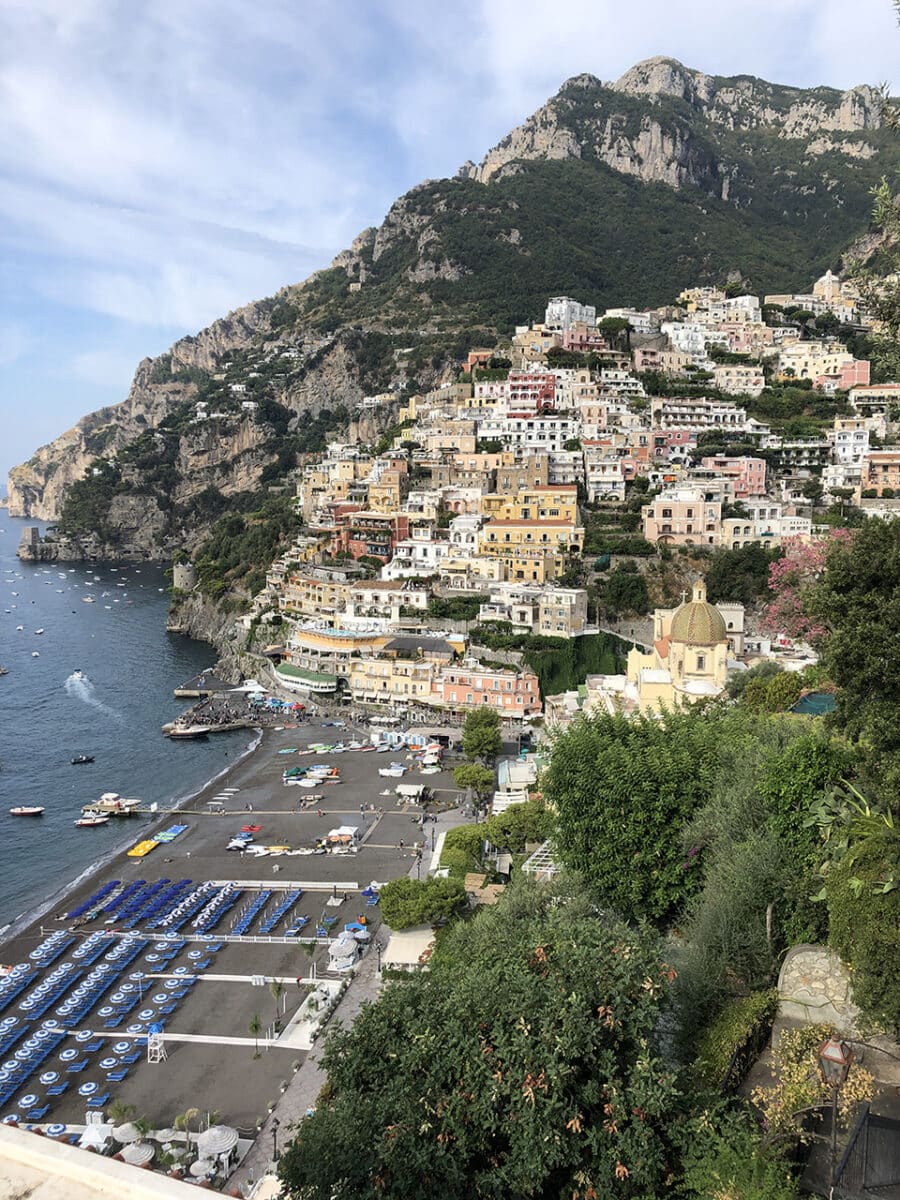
(55,901)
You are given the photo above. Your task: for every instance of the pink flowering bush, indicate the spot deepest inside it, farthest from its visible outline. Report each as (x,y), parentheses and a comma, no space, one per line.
(789,580)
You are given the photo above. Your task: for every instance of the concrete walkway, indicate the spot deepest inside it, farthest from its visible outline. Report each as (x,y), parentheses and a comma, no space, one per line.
(303,1089)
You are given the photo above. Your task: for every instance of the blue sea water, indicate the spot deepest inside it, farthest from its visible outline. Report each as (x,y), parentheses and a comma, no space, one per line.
(131,666)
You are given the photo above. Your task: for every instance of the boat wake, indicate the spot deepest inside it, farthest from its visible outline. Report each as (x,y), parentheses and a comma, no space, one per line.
(79,687)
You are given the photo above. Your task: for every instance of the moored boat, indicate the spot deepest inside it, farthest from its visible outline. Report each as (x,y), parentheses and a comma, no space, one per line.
(27,810)
(90,819)
(82,758)
(184,732)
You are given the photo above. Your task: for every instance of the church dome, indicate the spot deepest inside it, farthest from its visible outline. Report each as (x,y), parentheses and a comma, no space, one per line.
(698,623)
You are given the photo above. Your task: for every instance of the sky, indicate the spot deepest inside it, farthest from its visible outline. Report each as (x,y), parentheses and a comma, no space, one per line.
(164,162)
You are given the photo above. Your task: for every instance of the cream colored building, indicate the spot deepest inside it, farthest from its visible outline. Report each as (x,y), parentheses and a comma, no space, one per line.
(689,658)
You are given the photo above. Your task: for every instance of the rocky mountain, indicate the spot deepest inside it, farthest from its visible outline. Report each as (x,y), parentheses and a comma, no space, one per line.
(618,192)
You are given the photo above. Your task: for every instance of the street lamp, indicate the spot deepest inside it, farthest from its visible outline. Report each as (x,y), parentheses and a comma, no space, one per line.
(835,1058)
(275,1124)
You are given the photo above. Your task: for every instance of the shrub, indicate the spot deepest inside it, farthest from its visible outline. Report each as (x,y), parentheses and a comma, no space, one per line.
(740,1028)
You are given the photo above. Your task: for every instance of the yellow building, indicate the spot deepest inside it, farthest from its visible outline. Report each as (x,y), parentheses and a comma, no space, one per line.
(555,502)
(689,658)
(524,543)
(391,680)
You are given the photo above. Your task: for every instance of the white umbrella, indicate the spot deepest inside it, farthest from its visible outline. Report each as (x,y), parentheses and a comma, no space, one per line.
(218,1139)
(95,1136)
(128,1132)
(203,1166)
(138,1153)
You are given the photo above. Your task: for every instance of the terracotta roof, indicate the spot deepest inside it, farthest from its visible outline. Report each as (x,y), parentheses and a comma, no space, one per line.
(662,647)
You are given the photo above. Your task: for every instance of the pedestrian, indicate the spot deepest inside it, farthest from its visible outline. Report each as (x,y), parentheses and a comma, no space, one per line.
(362,808)
(318,812)
(401,843)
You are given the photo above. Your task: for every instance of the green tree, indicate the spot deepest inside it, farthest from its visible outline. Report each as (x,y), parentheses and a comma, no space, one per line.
(858,602)
(625,592)
(406,902)
(725,1160)
(519,1066)
(740,576)
(472,775)
(276,987)
(254,1028)
(624,790)
(482,735)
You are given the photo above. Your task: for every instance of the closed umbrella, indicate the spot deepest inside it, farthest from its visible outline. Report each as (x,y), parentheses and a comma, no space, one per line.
(138,1153)
(127,1133)
(218,1139)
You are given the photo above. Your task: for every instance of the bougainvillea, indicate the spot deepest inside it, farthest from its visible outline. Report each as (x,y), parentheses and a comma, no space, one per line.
(790,577)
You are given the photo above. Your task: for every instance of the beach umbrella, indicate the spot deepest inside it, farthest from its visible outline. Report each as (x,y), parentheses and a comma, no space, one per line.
(160,998)
(172,984)
(137,1027)
(28,1101)
(87,1089)
(166,1134)
(146,1014)
(107,1064)
(10,1120)
(218,1139)
(49,1077)
(138,1153)
(83,1035)
(57,1129)
(203,1166)
(68,1054)
(94,1136)
(23,1054)
(127,1133)
(106,1011)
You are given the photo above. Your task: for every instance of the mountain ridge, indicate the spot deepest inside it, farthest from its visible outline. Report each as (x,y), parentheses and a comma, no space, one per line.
(619,193)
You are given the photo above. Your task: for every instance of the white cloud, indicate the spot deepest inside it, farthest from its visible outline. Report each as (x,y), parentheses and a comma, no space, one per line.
(15,343)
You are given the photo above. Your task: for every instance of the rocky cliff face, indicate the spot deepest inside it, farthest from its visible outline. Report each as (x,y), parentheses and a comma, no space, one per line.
(588,118)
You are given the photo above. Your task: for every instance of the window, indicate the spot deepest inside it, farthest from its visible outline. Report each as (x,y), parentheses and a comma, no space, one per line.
(701,662)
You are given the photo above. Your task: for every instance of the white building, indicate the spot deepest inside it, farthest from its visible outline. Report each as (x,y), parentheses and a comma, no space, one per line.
(563,312)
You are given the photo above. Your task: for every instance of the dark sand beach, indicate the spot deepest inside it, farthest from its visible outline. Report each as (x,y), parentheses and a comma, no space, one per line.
(216,1074)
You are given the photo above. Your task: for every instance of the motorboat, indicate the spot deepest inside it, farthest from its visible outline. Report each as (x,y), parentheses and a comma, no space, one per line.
(4,670)
(39,631)
(27,810)
(186,732)
(91,819)
(80,759)
(113,804)
(87,599)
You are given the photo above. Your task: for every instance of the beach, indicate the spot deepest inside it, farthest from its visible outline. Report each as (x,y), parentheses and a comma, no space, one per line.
(221,1073)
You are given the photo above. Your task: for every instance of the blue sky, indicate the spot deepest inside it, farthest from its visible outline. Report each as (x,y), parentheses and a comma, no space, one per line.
(164,162)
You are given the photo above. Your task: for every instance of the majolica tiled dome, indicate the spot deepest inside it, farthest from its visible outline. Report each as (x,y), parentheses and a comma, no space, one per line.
(698,623)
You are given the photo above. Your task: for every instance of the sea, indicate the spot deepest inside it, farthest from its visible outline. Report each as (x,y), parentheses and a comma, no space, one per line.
(113,710)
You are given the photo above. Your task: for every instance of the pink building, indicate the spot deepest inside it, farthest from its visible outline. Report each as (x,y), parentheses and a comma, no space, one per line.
(749,474)
(851,375)
(531,391)
(469,685)
(583,341)
(672,443)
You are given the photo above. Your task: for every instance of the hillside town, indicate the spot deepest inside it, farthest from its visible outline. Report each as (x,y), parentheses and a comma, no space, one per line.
(500,501)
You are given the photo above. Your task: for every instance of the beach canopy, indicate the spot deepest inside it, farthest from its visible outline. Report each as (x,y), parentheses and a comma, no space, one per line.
(203,1166)
(127,1133)
(138,1153)
(218,1139)
(95,1136)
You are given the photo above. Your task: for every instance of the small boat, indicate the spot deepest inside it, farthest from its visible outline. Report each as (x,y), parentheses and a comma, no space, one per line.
(87,599)
(35,654)
(39,631)
(79,759)
(184,732)
(27,810)
(4,670)
(90,819)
